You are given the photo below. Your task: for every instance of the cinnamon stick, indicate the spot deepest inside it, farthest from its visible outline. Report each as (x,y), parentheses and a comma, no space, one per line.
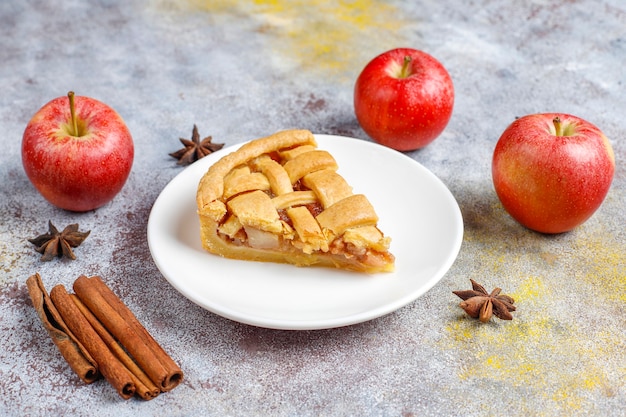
(71,349)
(126,328)
(143,386)
(109,365)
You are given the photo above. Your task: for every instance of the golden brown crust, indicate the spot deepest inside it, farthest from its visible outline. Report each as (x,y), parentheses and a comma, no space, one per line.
(211,186)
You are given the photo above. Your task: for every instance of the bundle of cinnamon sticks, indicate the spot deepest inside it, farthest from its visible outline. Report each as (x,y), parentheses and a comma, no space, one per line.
(98,335)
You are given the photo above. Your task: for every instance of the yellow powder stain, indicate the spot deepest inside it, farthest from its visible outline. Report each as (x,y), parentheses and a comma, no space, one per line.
(597,381)
(559,362)
(460,331)
(530,289)
(493,362)
(604,268)
(326,35)
(542,358)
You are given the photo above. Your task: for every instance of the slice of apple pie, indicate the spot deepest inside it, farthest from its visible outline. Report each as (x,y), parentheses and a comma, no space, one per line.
(280,199)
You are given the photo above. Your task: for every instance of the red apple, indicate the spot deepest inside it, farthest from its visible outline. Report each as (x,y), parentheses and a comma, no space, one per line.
(403,99)
(77,152)
(552,171)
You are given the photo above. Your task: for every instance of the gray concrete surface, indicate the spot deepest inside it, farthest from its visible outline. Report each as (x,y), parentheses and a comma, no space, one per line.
(247,70)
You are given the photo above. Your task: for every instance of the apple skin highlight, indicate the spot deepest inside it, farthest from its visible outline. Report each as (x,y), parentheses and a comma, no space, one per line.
(77,171)
(551,177)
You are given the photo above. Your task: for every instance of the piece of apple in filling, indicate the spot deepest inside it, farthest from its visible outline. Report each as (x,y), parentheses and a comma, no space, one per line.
(253,220)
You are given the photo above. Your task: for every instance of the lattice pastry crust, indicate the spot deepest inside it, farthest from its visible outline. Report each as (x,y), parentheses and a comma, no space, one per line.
(280,199)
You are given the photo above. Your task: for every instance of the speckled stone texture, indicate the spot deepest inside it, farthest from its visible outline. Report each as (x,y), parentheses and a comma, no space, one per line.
(247,70)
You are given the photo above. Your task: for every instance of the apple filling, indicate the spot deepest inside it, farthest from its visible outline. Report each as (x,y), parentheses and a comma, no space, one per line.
(296,229)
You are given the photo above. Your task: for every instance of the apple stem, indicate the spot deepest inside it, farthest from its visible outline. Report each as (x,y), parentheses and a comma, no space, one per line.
(557,126)
(70,95)
(405,72)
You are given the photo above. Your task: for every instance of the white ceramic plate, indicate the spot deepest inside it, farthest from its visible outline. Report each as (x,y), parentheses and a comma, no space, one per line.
(415,208)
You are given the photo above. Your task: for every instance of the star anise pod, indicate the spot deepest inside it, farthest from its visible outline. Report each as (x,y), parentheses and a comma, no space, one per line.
(478,303)
(195,148)
(54,244)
